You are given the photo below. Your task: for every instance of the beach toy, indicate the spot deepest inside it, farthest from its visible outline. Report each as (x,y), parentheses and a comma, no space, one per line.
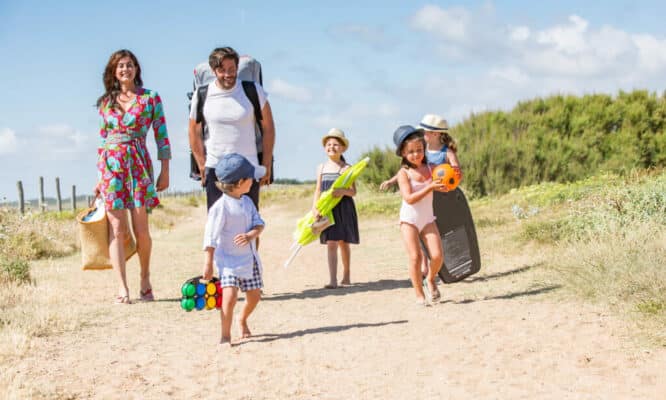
(446,175)
(201,289)
(307,228)
(188,289)
(211,289)
(199,303)
(211,302)
(201,295)
(187,303)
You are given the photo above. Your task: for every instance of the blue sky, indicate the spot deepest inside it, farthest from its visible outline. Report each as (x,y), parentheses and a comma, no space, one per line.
(365,67)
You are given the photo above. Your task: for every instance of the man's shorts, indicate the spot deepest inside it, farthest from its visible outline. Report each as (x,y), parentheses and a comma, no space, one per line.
(256,282)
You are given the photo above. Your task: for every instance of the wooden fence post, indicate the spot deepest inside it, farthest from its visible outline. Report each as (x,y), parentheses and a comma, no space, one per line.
(42,202)
(73,197)
(58,198)
(19,185)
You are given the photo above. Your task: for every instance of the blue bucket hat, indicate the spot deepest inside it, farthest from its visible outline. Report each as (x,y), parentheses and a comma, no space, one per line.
(401,134)
(233,167)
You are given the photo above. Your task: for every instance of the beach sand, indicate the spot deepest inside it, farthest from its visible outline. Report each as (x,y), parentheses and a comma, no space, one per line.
(498,335)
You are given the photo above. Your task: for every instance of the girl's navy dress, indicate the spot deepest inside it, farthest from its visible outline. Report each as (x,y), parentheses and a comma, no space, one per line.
(346,220)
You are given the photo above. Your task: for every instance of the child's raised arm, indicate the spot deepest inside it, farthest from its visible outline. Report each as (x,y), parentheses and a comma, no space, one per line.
(389,182)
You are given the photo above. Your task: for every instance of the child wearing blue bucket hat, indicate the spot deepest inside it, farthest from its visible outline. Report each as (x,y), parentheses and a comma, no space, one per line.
(417,219)
(440,149)
(230,239)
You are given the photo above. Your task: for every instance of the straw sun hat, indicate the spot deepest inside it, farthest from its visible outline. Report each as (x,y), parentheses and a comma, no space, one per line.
(434,123)
(335,133)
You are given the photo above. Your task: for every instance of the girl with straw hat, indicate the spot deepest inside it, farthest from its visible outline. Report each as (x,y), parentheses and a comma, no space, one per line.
(345,230)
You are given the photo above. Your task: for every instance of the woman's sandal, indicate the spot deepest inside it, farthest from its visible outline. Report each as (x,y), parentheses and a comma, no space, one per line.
(147,295)
(122,300)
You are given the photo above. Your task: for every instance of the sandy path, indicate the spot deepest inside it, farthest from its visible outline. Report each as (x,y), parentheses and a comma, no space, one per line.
(499,336)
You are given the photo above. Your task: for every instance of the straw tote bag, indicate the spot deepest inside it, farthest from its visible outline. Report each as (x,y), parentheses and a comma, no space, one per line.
(94,234)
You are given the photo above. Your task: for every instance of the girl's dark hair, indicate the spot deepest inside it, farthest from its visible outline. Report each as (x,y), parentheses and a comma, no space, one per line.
(414,136)
(447,140)
(111,85)
(217,55)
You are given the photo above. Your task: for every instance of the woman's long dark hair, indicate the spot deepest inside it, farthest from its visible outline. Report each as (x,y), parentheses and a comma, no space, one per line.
(111,86)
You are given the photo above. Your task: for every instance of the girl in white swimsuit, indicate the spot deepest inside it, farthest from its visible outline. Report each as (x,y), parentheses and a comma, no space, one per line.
(419,214)
(416,213)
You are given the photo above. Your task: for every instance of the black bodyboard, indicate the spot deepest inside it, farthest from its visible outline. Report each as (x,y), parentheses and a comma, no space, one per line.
(459,241)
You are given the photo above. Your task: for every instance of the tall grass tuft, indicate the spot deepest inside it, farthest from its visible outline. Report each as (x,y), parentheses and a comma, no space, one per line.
(33,236)
(612,246)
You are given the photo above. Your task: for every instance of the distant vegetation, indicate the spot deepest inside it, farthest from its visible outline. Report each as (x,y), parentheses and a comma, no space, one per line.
(556,139)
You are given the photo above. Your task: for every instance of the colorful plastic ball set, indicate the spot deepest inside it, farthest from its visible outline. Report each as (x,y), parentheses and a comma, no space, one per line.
(201,295)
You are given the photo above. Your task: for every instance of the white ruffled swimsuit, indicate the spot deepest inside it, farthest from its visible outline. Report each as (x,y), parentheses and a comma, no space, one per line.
(420,213)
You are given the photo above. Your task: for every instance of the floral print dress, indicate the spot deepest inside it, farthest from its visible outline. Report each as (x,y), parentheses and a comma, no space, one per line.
(125,171)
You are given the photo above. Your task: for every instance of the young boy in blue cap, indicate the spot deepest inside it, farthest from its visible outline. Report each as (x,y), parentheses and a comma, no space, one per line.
(232,228)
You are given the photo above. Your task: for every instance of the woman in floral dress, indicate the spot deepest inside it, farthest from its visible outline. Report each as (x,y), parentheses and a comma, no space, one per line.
(125,171)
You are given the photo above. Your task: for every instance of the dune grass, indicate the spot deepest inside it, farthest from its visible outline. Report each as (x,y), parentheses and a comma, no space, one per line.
(608,234)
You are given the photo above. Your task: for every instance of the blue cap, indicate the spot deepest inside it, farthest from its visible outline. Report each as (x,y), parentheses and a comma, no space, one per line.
(401,134)
(233,167)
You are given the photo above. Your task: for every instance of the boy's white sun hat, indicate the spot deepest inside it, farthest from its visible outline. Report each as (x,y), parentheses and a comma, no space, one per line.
(434,123)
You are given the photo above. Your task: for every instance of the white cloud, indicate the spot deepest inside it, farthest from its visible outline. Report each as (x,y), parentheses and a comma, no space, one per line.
(573,51)
(58,139)
(568,39)
(519,33)
(451,24)
(8,141)
(651,52)
(289,91)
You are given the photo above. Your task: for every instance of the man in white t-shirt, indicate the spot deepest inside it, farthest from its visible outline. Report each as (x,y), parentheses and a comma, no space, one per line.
(229,116)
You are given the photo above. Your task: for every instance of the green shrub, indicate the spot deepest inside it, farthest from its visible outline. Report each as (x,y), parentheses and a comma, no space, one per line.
(382,166)
(14,271)
(561,139)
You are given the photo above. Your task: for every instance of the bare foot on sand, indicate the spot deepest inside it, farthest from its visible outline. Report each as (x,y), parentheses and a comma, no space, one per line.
(245,330)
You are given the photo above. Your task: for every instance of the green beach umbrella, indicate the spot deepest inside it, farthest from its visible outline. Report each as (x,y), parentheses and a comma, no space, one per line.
(305,231)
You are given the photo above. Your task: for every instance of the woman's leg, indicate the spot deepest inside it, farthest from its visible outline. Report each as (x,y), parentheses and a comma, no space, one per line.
(332,250)
(252,298)
(345,254)
(433,243)
(144,245)
(117,230)
(410,238)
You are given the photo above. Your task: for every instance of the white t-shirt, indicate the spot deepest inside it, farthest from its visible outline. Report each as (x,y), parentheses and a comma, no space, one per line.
(230,120)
